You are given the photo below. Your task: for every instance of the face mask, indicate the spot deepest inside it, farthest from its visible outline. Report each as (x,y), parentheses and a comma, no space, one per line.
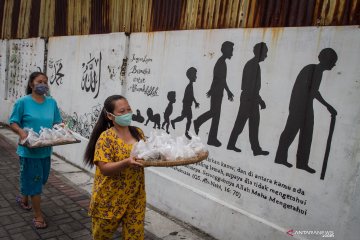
(123,120)
(41,88)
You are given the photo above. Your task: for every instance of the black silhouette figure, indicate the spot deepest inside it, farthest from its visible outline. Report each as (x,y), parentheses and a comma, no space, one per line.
(187,102)
(250,101)
(301,112)
(171,96)
(155,118)
(137,117)
(215,94)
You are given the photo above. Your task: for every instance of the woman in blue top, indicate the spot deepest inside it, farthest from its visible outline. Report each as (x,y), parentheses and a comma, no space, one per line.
(35,110)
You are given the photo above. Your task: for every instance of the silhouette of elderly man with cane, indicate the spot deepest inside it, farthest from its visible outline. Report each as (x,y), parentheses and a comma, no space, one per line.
(301,111)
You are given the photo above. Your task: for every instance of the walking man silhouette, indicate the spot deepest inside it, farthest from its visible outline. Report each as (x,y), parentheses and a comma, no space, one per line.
(215,94)
(301,111)
(249,102)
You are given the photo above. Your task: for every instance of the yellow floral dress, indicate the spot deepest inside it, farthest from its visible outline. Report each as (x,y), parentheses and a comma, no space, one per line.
(121,197)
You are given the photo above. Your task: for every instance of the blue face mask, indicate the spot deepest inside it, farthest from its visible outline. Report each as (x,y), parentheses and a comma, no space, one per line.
(123,120)
(41,88)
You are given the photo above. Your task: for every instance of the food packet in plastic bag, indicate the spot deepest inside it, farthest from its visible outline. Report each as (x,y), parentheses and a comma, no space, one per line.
(138,148)
(168,153)
(59,130)
(196,144)
(67,136)
(146,151)
(31,138)
(188,152)
(46,134)
(152,155)
(58,134)
(182,148)
(161,146)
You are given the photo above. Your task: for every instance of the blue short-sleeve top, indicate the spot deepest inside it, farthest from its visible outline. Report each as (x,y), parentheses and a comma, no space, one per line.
(28,113)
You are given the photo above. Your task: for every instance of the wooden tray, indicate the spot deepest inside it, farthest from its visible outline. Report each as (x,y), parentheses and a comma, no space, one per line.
(50,145)
(183,161)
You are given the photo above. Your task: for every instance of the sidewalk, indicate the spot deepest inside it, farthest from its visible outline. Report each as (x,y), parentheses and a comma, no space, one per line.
(65,201)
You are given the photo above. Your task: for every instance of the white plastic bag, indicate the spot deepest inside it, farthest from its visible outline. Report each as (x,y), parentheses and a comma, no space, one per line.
(31,138)
(48,137)
(161,146)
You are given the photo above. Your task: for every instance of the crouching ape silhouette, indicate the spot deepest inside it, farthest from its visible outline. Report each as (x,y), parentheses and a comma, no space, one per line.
(137,117)
(171,96)
(187,102)
(301,111)
(155,118)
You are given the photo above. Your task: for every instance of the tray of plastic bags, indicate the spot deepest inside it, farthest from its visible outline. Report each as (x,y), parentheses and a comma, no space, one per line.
(178,162)
(162,150)
(47,137)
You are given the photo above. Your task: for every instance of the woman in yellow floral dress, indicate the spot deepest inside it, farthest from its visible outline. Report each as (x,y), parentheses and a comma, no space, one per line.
(119,189)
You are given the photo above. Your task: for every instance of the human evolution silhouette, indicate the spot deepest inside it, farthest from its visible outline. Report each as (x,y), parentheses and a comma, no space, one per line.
(301,113)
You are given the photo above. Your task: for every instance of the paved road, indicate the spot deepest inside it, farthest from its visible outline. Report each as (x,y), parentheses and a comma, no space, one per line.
(65,203)
(64,206)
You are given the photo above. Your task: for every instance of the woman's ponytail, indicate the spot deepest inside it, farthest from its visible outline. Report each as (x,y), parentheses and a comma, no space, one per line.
(102,124)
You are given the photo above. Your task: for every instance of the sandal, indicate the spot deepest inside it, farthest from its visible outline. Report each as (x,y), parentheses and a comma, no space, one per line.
(21,204)
(39,224)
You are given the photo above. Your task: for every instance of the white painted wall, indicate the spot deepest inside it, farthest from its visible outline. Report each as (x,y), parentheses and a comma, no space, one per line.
(3,66)
(79,97)
(329,201)
(331,204)
(25,56)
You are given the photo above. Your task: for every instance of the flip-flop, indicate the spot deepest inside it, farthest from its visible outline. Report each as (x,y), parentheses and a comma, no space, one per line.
(39,224)
(21,204)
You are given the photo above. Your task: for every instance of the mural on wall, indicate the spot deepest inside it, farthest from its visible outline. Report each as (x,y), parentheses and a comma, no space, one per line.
(301,112)
(264,72)
(215,94)
(123,70)
(88,72)
(91,74)
(300,116)
(187,102)
(171,96)
(113,71)
(238,172)
(82,123)
(55,71)
(250,101)
(300,120)
(138,71)
(26,56)
(236,181)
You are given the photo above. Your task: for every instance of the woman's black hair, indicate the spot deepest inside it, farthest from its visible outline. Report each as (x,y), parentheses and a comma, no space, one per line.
(103,123)
(31,80)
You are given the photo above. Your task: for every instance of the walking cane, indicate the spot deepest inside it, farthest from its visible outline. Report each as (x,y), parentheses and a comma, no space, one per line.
(328,145)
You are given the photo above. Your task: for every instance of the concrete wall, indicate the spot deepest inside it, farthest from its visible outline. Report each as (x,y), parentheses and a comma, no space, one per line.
(19,58)
(232,195)
(81,78)
(3,66)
